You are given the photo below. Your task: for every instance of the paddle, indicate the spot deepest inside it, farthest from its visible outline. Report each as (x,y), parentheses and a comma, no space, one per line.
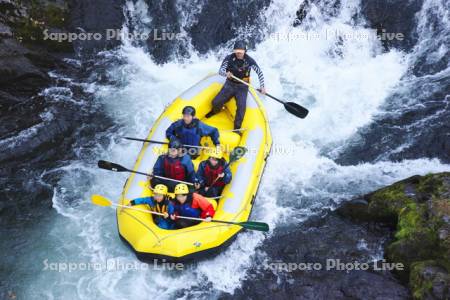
(107,165)
(235,130)
(162,143)
(103,201)
(292,107)
(235,155)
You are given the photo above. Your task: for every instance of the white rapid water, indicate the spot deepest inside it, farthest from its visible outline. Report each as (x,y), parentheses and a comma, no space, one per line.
(342,82)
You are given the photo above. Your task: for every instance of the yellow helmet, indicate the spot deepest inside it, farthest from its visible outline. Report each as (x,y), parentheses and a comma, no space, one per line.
(216,153)
(181,189)
(160,189)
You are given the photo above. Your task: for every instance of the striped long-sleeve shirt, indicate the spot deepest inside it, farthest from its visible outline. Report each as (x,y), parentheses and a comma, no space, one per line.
(228,64)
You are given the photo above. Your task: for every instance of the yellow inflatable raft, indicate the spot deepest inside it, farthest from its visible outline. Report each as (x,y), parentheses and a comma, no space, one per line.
(137,228)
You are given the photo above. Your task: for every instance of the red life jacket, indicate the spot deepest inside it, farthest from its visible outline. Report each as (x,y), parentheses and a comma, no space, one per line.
(174,169)
(211,174)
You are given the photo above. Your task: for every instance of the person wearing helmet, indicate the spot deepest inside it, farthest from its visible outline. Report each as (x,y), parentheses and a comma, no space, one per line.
(189,130)
(175,165)
(192,205)
(213,174)
(158,203)
(239,64)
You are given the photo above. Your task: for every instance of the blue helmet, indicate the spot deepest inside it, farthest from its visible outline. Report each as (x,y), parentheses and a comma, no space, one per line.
(189,110)
(175,143)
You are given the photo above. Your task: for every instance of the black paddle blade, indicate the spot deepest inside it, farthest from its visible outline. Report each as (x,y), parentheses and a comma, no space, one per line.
(296,109)
(107,165)
(237,153)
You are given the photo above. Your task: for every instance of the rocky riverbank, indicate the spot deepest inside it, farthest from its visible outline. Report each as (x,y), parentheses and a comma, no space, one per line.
(418,210)
(400,233)
(40,100)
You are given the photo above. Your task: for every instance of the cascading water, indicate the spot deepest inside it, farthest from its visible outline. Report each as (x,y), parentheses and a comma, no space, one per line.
(344,83)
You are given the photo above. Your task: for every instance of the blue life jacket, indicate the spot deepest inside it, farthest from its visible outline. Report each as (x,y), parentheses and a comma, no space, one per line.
(189,135)
(186,209)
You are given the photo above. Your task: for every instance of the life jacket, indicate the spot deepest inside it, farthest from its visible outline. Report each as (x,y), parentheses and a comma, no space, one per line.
(186,208)
(162,207)
(211,173)
(173,168)
(189,134)
(239,67)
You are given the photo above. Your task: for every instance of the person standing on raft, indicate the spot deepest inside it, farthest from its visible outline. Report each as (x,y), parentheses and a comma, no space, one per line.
(238,64)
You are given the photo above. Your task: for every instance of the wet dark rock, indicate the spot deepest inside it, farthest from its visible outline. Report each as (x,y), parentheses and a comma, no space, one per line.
(414,124)
(327,236)
(29,20)
(165,19)
(356,209)
(393,16)
(420,207)
(429,281)
(222,21)
(96,17)
(414,119)
(18,74)
(38,136)
(328,8)
(8,100)
(5,31)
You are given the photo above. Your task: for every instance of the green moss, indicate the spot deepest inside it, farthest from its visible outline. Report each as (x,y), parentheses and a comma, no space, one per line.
(431,184)
(30,30)
(419,286)
(387,203)
(419,207)
(54,16)
(410,219)
(422,281)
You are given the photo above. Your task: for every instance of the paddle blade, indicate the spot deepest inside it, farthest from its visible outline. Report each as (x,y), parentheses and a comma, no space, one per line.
(100,200)
(107,165)
(296,110)
(255,226)
(237,153)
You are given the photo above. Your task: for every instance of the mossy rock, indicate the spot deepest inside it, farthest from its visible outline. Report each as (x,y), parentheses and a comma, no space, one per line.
(428,280)
(385,204)
(419,210)
(42,16)
(420,244)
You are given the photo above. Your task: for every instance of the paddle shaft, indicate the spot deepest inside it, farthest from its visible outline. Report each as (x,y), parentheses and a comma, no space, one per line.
(161,214)
(224,168)
(160,177)
(293,108)
(249,85)
(234,130)
(163,143)
(215,180)
(103,201)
